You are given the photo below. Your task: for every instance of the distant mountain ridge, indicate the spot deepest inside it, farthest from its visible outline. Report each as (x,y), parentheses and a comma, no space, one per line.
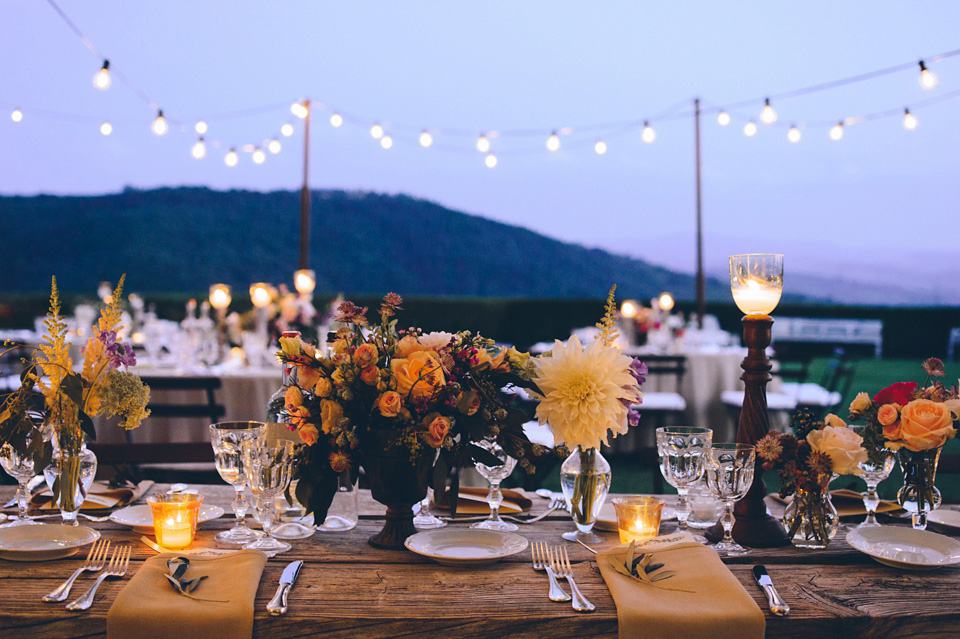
(186,238)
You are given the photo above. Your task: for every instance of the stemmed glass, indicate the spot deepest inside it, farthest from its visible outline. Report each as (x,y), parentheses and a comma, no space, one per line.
(682,451)
(267,467)
(495,475)
(425,519)
(874,472)
(729,472)
(227,439)
(20,467)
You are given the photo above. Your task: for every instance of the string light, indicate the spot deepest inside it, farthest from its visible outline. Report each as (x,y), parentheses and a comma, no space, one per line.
(106,128)
(231,159)
(648,135)
(768,115)
(490,160)
(299,109)
(723,118)
(553,142)
(600,147)
(198,150)
(159,125)
(386,142)
(750,129)
(793,134)
(483,144)
(102,79)
(927,79)
(425,139)
(909,121)
(200,127)
(16,115)
(259,157)
(376,131)
(836,131)
(336,120)
(274,146)
(286,130)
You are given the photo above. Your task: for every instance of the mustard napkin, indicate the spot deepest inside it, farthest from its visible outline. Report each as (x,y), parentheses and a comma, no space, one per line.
(473,501)
(149,607)
(99,497)
(717,607)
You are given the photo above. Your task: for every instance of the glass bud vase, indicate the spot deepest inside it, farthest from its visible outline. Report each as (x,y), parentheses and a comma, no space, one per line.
(811,519)
(69,475)
(585,480)
(918,495)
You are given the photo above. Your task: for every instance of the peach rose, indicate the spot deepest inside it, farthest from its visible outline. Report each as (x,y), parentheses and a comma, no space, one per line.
(833,420)
(370,375)
(419,375)
(844,447)
(925,424)
(366,355)
(408,345)
(888,414)
(307,376)
(293,397)
(437,429)
(469,403)
(390,403)
(298,416)
(860,403)
(324,387)
(309,434)
(330,414)
(954,406)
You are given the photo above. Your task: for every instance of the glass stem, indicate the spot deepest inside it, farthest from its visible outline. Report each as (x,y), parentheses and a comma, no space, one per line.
(494,498)
(683,508)
(727,521)
(870,502)
(239,506)
(268,516)
(23,498)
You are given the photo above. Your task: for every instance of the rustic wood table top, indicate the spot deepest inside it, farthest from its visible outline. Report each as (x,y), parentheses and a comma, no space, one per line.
(348,588)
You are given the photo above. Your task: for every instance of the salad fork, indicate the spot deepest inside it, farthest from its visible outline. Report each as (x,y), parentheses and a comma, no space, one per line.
(560,562)
(541,561)
(117,567)
(93,563)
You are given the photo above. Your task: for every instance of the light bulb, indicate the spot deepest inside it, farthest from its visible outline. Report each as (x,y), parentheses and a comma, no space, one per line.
(231,159)
(259,157)
(386,142)
(600,147)
(200,127)
(376,131)
(723,118)
(274,146)
(909,121)
(16,115)
(159,125)
(198,150)
(490,160)
(793,134)
(102,79)
(768,115)
(750,129)
(836,131)
(648,135)
(299,110)
(106,128)
(553,142)
(483,144)
(425,139)
(927,79)
(336,120)
(286,130)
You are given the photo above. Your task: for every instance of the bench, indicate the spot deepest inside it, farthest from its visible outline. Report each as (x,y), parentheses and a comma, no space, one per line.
(829,331)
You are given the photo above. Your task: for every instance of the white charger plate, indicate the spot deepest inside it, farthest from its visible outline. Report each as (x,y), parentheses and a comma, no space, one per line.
(906,548)
(945,517)
(43,542)
(607,519)
(140,517)
(465,546)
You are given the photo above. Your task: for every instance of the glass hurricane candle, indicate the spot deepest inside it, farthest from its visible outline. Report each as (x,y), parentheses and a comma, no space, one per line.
(638,517)
(175,518)
(756,281)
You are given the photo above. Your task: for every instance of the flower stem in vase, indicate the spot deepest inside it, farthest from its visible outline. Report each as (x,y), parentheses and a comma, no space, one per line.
(585,479)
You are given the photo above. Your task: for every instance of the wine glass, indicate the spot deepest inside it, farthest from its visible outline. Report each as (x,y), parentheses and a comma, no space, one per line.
(875,470)
(495,475)
(20,467)
(729,472)
(426,520)
(267,467)
(227,439)
(682,450)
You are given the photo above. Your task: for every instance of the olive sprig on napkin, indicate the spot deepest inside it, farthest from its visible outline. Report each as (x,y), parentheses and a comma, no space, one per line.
(177,567)
(640,568)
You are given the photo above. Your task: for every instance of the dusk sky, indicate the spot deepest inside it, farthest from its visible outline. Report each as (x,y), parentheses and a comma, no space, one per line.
(523,69)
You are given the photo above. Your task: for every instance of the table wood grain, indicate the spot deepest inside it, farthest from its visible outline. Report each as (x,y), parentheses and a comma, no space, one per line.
(349,589)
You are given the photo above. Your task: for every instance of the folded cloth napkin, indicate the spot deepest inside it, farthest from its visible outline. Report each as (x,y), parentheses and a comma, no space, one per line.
(99,497)
(849,503)
(715,606)
(473,501)
(150,608)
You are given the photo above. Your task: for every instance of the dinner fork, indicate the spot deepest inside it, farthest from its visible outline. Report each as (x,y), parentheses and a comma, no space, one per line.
(117,567)
(84,515)
(541,561)
(93,563)
(560,562)
(555,504)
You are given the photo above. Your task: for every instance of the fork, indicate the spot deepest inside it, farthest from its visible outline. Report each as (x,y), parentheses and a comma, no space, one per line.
(555,504)
(541,561)
(89,517)
(93,563)
(560,562)
(117,567)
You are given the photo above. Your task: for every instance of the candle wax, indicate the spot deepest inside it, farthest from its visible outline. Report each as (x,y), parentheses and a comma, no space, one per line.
(175,534)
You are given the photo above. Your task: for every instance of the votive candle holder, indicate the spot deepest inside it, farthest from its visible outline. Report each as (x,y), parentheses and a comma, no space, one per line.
(638,517)
(175,518)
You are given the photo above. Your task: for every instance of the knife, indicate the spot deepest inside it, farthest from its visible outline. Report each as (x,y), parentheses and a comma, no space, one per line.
(777,605)
(278,605)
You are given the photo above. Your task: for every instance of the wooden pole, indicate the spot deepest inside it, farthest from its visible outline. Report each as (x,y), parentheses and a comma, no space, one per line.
(305,194)
(701,282)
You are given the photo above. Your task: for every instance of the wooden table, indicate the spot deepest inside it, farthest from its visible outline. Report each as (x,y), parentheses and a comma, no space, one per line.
(349,589)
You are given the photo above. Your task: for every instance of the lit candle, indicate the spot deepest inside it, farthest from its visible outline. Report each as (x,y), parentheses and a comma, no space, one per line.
(175,533)
(260,294)
(756,298)
(220,296)
(174,518)
(638,518)
(756,281)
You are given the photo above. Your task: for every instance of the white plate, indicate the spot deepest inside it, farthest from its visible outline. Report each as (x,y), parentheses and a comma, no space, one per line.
(945,517)
(607,519)
(140,518)
(905,547)
(43,542)
(465,547)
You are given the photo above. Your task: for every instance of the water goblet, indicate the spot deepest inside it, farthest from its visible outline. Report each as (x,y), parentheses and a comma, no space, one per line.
(267,467)
(426,520)
(729,472)
(495,475)
(227,439)
(20,467)
(681,450)
(878,466)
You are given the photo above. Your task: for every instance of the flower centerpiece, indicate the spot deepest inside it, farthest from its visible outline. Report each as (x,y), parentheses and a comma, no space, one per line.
(400,402)
(585,392)
(915,421)
(71,399)
(805,463)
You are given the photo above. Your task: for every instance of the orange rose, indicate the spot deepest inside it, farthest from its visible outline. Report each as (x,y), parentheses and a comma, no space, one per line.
(437,429)
(925,424)
(370,375)
(293,397)
(324,387)
(408,345)
(419,376)
(307,377)
(496,359)
(469,403)
(298,416)
(330,414)
(889,417)
(366,355)
(309,434)
(390,403)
